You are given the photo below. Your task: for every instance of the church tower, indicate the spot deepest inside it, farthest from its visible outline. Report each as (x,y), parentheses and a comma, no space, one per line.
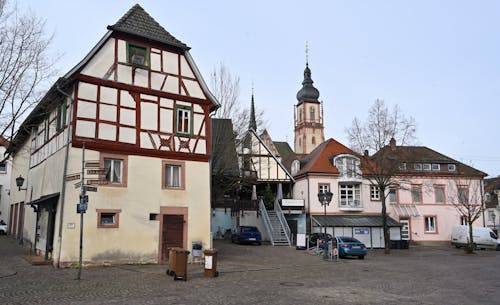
(308,117)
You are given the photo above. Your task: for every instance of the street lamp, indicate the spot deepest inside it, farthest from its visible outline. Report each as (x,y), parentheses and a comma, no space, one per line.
(19,183)
(325,198)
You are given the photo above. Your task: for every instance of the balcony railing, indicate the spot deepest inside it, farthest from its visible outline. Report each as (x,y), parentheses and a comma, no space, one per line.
(350,205)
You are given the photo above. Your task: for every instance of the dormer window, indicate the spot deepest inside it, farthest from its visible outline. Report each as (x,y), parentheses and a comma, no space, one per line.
(137,55)
(427,166)
(436,167)
(348,166)
(452,167)
(417,166)
(402,166)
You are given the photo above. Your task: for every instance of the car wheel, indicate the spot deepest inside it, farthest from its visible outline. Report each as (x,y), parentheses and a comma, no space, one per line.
(361,257)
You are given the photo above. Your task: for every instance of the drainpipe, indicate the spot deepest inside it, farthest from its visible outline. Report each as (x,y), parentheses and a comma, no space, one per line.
(65,169)
(309,205)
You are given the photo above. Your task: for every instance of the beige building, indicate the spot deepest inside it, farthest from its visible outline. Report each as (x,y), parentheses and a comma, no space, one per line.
(139,107)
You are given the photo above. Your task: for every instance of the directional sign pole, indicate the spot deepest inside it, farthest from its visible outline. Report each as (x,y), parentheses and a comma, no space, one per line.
(82,198)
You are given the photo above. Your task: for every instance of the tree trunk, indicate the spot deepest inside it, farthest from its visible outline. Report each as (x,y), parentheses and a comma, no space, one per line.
(387,241)
(470,245)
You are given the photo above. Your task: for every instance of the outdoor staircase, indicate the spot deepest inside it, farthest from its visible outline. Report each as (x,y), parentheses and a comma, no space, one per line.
(278,232)
(276,225)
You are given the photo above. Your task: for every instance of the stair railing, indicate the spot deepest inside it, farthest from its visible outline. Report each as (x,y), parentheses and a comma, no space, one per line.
(284,224)
(266,220)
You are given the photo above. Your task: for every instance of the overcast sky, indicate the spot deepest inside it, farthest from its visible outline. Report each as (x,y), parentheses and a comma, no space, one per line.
(438,60)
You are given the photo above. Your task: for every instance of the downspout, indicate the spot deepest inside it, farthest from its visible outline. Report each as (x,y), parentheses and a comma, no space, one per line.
(482,200)
(65,169)
(309,205)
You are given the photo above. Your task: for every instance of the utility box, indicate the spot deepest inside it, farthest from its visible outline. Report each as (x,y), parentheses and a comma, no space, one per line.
(211,263)
(197,249)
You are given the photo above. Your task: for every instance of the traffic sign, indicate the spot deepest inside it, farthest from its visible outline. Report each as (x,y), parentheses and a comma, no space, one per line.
(99,171)
(92,164)
(78,185)
(84,198)
(81,208)
(90,188)
(97,181)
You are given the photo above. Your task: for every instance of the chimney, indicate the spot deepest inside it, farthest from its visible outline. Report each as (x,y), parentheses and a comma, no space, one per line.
(366,154)
(392,143)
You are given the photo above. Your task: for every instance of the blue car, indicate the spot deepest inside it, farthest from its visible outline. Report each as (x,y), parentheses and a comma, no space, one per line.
(247,234)
(349,246)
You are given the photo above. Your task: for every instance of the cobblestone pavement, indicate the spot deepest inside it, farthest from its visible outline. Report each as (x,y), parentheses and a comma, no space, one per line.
(264,275)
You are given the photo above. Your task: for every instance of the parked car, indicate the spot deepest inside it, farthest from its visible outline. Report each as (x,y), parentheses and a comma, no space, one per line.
(349,246)
(247,234)
(3,228)
(313,239)
(482,237)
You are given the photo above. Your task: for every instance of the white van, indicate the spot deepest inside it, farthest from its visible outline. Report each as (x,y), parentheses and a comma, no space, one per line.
(482,237)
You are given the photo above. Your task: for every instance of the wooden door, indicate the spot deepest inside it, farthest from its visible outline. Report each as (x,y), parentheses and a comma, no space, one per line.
(172,235)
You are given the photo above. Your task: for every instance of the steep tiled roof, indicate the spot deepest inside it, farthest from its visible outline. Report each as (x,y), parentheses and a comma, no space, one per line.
(423,154)
(320,159)
(138,22)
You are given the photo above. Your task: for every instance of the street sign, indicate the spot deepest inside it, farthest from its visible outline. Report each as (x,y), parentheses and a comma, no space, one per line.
(81,208)
(84,199)
(72,177)
(78,184)
(92,164)
(97,181)
(99,171)
(90,188)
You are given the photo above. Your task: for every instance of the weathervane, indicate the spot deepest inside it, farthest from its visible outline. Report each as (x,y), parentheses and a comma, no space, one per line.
(307,52)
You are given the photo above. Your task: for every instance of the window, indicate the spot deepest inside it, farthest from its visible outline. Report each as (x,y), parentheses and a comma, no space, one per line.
(427,166)
(3,167)
(393,195)
(61,117)
(137,55)
(402,166)
(113,170)
(452,167)
(417,166)
(350,195)
(108,218)
(173,176)
(439,193)
(311,113)
(323,188)
(436,167)
(295,166)
(430,224)
(46,129)
(463,195)
(374,192)
(313,140)
(463,221)
(416,194)
(184,120)
(300,115)
(348,166)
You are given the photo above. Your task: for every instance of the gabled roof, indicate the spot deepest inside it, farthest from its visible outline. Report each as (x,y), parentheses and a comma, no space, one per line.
(320,159)
(224,157)
(138,22)
(423,154)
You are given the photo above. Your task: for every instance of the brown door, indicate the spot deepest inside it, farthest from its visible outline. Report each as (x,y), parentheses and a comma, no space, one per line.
(172,234)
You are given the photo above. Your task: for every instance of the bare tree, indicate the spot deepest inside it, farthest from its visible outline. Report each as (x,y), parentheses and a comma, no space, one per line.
(226,89)
(378,134)
(381,126)
(465,195)
(25,65)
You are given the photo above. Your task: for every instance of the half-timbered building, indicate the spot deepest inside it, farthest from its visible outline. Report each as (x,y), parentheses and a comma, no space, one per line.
(128,129)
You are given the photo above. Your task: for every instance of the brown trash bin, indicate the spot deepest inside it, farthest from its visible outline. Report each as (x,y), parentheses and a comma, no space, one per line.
(211,263)
(172,255)
(181,258)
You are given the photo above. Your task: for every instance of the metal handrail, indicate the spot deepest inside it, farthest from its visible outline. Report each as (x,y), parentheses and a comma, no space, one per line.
(281,217)
(266,220)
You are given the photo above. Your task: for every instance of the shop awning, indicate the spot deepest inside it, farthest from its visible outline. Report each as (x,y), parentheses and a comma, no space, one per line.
(353,221)
(406,210)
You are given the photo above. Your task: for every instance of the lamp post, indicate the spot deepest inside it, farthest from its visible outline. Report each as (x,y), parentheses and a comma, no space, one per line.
(325,198)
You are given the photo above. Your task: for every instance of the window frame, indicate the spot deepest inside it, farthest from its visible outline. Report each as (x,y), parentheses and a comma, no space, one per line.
(416,190)
(452,168)
(356,194)
(427,224)
(374,189)
(402,166)
(436,167)
(441,187)
(426,167)
(312,114)
(465,188)
(115,224)
(324,186)
(182,173)
(417,166)
(138,46)
(396,195)
(190,116)
(3,165)
(124,169)
(61,116)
